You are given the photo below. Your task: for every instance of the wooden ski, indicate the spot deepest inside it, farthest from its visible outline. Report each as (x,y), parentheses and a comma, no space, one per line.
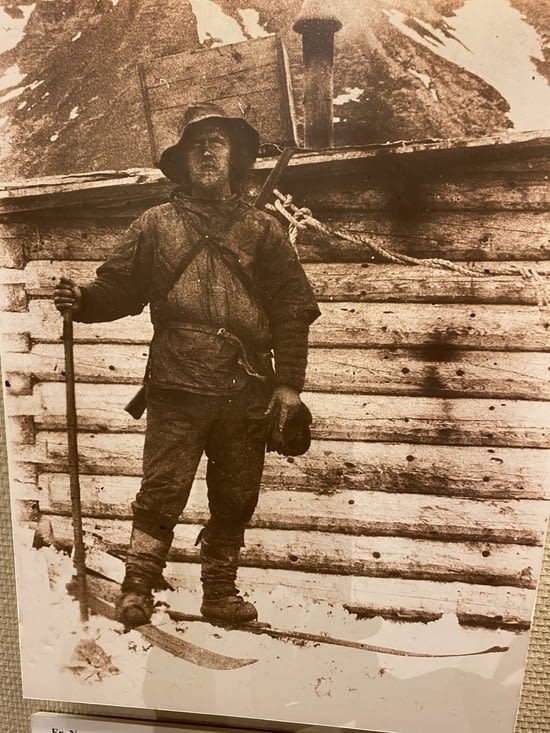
(101,595)
(256,627)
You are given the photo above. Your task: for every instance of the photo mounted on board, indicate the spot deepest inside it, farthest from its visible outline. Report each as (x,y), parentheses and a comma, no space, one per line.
(275,356)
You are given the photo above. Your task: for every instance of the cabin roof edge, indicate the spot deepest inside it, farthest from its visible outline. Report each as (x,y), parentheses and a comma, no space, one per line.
(130,183)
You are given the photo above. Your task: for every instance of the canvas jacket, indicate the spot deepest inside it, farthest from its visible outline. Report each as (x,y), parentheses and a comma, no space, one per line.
(271,307)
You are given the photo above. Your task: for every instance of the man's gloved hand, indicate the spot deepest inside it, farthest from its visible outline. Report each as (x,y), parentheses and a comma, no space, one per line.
(283,404)
(67,295)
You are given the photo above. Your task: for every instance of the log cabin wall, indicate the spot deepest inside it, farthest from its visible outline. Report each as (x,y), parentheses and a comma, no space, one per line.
(426,487)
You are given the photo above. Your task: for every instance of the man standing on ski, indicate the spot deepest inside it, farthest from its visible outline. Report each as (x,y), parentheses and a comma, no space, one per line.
(225,290)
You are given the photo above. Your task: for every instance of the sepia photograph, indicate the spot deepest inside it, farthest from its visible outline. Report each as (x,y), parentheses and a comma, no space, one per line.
(275,350)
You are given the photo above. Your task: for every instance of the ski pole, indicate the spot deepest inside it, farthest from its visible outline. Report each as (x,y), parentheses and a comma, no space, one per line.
(79,558)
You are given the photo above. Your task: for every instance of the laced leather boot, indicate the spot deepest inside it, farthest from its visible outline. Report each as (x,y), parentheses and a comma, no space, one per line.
(221,599)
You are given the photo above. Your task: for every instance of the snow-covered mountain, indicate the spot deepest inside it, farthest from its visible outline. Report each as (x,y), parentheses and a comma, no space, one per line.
(70,98)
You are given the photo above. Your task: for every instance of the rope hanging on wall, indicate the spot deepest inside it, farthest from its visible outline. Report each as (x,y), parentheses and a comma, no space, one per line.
(302,218)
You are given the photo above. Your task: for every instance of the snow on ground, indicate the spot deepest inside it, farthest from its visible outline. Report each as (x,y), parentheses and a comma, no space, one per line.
(491,39)
(298,682)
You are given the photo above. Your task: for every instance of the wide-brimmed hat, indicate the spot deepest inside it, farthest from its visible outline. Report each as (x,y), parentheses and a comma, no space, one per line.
(244,137)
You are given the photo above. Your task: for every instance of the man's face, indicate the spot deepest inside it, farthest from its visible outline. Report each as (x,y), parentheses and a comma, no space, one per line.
(208,156)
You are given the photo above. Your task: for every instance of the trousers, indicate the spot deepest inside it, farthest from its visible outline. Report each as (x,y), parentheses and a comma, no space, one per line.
(181,426)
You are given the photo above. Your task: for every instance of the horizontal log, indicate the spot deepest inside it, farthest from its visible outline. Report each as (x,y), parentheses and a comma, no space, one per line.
(390,557)
(80,192)
(350,511)
(12,248)
(479,191)
(490,374)
(24,474)
(426,371)
(15,343)
(70,239)
(332,466)
(406,600)
(17,383)
(400,600)
(351,417)
(517,283)
(471,236)
(375,325)
(13,297)
(21,431)
(507,283)
(107,188)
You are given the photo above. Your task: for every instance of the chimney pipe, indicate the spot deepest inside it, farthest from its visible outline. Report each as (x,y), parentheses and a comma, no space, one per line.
(317,26)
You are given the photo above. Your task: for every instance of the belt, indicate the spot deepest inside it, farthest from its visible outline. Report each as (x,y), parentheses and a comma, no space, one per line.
(243,358)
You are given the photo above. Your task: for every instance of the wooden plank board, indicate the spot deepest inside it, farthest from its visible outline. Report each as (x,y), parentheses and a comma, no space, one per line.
(398,599)
(331,466)
(222,60)
(476,563)
(226,83)
(251,78)
(350,511)
(489,374)
(257,100)
(378,325)
(499,282)
(493,236)
(350,417)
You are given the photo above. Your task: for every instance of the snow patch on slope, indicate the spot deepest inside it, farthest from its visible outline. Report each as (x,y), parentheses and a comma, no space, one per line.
(350,94)
(213,25)
(11,76)
(216,28)
(12,94)
(426,80)
(493,41)
(12,29)
(251,22)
